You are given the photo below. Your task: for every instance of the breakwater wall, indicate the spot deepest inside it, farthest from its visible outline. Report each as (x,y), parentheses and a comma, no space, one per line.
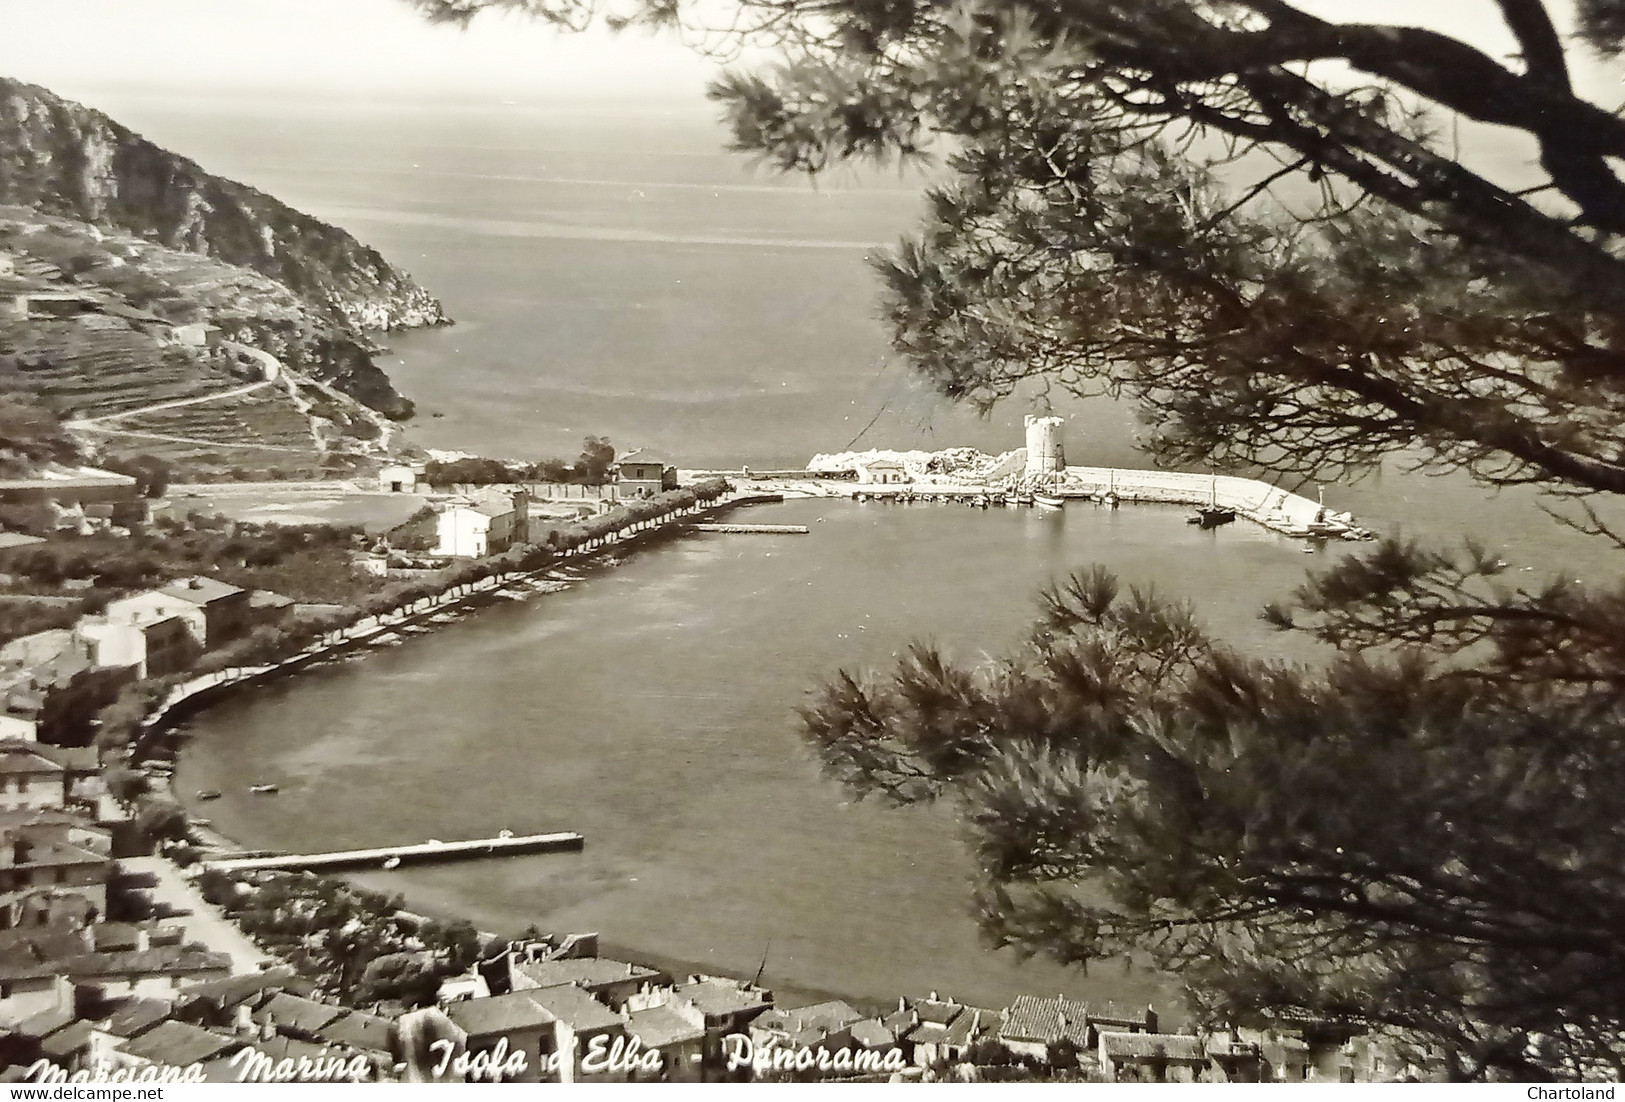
(1258,501)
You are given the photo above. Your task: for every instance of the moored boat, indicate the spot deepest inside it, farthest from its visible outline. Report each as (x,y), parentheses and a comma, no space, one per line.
(1048,501)
(1212,516)
(208,794)
(1012,498)
(264,789)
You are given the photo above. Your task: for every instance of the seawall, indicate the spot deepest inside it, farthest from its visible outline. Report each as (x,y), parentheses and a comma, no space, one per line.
(1258,501)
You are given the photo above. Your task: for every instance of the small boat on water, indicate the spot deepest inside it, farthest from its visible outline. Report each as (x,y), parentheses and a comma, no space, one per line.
(208,794)
(392,863)
(1012,498)
(1024,497)
(1212,514)
(1109,498)
(264,789)
(1048,501)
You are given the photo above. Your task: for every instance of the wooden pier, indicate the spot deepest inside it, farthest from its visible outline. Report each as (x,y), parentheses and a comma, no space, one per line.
(759,529)
(420,853)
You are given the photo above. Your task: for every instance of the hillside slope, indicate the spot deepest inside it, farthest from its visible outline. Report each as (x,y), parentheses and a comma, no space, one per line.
(61,158)
(112,359)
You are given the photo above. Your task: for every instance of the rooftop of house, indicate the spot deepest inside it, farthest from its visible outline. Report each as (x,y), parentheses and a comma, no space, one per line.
(718,996)
(20,757)
(882,464)
(230,991)
(1113,1013)
(1048,1020)
(360,1031)
(175,960)
(500,1014)
(642,456)
(115,936)
(826,1017)
(136,1016)
(51,821)
(589,972)
(41,646)
(574,1007)
(176,1044)
(1153,1047)
(44,1023)
(872,1033)
(18,539)
(200,590)
(297,1013)
(660,1026)
(264,598)
(67,1040)
(72,759)
(34,853)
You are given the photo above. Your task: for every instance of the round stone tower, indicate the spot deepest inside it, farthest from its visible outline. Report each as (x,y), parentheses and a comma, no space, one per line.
(1045,456)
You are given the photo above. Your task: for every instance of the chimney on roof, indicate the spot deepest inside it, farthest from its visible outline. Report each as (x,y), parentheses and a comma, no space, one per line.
(934,996)
(631,969)
(902,1005)
(268,1029)
(243,1023)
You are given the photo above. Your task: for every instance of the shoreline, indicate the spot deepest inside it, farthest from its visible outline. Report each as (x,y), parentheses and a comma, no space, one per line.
(211,838)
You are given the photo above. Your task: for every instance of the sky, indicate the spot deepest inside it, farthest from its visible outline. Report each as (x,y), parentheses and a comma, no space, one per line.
(353,49)
(102,52)
(381,49)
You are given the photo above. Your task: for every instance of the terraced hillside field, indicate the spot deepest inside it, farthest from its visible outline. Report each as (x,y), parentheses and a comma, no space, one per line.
(116,366)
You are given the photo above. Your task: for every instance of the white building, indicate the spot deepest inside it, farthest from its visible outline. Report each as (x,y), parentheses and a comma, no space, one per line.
(483,528)
(398,478)
(882,472)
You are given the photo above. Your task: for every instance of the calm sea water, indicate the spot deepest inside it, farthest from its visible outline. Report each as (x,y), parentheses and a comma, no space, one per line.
(652,707)
(621,276)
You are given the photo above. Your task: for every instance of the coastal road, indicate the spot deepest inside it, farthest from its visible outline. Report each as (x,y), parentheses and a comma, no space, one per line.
(206,924)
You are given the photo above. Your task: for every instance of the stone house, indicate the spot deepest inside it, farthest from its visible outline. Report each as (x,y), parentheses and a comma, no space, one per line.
(1031,1024)
(882,472)
(47,878)
(215,612)
(1152,1057)
(643,473)
(613,982)
(154,646)
(935,1030)
(397,478)
(483,528)
(677,1032)
(724,1005)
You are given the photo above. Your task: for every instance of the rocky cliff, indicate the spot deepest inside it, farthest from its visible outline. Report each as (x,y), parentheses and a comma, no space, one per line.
(61,158)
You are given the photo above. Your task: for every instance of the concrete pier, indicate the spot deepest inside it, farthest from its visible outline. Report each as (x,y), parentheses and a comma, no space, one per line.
(418,853)
(762,529)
